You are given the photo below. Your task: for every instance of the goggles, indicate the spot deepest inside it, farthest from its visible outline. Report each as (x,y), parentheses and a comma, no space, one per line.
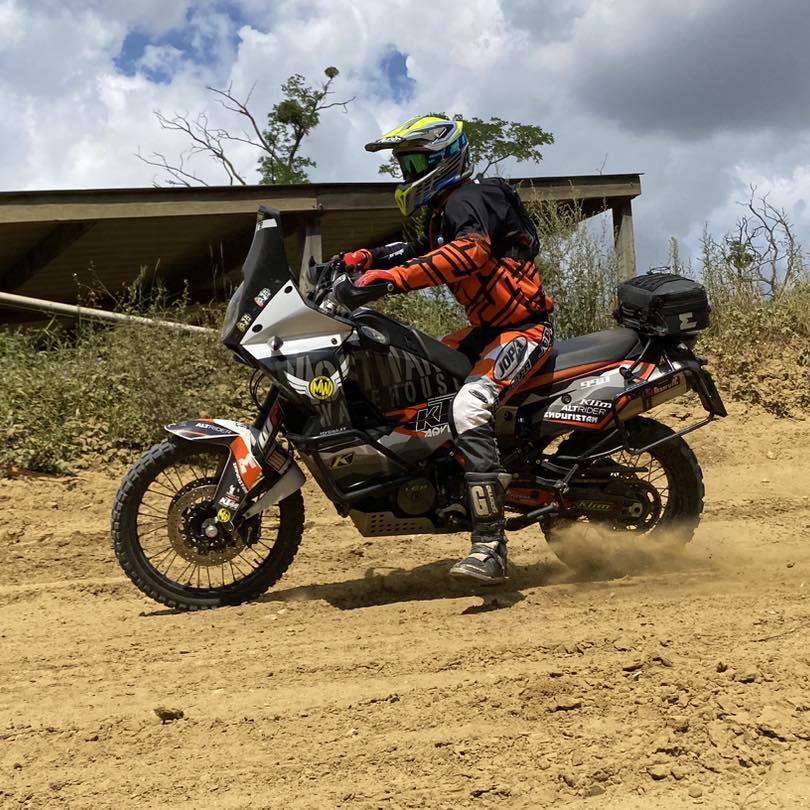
(414,164)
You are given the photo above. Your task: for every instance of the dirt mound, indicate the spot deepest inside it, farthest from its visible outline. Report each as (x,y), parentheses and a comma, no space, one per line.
(778,384)
(367,679)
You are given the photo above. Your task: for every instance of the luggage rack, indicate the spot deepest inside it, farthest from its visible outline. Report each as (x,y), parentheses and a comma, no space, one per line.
(698,379)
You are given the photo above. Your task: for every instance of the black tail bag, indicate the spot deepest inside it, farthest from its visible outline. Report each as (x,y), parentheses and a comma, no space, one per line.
(663,304)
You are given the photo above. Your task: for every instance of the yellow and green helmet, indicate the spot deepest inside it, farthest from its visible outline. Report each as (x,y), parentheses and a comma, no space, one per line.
(433,154)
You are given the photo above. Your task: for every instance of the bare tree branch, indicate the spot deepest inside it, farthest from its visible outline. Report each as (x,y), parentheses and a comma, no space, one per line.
(343,104)
(764,252)
(241,108)
(178,176)
(278,142)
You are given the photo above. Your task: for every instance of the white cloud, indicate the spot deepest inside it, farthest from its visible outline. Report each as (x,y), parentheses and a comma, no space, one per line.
(71,119)
(12,24)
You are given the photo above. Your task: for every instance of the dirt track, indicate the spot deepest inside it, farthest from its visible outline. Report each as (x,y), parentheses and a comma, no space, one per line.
(363,681)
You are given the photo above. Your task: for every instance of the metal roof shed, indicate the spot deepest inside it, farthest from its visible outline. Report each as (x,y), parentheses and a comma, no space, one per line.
(52,242)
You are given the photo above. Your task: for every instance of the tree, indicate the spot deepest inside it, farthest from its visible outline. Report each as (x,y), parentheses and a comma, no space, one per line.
(763,248)
(493,141)
(279,143)
(761,258)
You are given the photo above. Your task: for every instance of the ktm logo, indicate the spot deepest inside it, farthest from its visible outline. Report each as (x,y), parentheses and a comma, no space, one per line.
(342,461)
(321,388)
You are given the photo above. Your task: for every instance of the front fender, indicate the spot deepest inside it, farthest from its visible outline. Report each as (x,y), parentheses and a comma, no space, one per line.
(211,431)
(247,468)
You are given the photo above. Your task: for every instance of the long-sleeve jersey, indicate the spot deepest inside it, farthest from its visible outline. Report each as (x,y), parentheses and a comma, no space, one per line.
(467,245)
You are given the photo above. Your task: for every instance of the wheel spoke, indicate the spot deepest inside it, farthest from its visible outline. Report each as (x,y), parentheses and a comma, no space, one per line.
(187,566)
(171,563)
(149,512)
(159,492)
(247,562)
(159,553)
(147,528)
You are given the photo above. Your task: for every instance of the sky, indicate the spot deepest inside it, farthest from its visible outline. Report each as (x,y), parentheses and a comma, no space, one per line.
(705,97)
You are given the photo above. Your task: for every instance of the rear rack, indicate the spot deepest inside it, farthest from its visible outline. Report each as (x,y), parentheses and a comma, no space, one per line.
(698,380)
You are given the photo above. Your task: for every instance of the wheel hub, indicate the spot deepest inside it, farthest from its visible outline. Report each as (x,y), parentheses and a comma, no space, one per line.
(647,508)
(194,533)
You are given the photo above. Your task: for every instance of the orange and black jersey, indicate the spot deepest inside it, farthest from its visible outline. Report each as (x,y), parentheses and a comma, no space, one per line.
(467,246)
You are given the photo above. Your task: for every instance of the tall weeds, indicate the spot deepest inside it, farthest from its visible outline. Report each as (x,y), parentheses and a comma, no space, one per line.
(102,392)
(579,269)
(95,394)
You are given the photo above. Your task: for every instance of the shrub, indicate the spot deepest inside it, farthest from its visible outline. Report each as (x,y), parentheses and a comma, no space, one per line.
(72,398)
(105,392)
(579,269)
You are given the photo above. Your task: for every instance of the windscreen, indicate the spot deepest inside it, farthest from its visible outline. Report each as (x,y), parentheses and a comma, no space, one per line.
(264,273)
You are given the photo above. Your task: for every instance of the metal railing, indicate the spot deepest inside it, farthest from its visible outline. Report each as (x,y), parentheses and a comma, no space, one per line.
(55,308)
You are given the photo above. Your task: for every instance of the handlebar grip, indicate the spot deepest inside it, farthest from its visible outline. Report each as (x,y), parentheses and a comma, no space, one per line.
(352,297)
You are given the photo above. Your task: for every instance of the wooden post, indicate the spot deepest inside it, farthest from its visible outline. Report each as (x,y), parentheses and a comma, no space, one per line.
(311,247)
(624,241)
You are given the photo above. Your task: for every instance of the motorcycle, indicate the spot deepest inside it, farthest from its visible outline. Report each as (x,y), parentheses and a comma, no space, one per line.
(214,514)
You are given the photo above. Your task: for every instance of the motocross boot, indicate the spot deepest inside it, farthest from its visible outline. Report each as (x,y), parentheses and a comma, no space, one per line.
(486,561)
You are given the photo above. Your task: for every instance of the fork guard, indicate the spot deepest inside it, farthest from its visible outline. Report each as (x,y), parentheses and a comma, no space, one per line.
(248,468)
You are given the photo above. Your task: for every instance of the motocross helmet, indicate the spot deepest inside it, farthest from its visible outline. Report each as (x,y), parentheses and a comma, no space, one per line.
(433,153)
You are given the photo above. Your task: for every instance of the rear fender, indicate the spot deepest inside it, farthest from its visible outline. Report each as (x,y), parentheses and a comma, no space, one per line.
(255,462)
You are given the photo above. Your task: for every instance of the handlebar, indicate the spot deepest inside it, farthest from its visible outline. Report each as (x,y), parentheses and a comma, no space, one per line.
(332,280)
(352,297)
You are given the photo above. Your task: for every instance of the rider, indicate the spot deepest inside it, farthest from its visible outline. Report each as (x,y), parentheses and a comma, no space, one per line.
(475,242)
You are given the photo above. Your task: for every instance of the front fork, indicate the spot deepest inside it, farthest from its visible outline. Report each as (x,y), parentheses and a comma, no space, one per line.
(254,456)
(255,462)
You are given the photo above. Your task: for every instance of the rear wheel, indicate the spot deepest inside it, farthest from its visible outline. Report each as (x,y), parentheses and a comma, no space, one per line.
(667,483)
(159,521)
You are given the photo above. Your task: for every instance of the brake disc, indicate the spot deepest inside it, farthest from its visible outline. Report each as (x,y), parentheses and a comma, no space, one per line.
(190,511)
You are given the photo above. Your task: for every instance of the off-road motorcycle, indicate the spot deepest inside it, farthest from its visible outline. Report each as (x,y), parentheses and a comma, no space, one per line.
(214,514)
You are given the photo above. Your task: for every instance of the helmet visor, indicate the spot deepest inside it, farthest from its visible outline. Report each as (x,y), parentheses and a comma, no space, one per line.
(413,165)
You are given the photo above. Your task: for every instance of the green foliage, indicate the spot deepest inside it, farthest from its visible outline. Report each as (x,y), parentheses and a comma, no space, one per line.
(279,142)
(70,399)
(434,310)
(104,393)
(759,334)
(493,141)
(579,269)
(288,124)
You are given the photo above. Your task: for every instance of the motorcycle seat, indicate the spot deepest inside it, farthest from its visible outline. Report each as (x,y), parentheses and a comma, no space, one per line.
(598,347)
(416,342)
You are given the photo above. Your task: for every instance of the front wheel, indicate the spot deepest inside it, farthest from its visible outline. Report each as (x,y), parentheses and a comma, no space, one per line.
(158,530)
(666,479)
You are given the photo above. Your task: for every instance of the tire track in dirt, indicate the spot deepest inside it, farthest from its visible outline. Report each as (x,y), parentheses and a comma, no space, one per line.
(367,680)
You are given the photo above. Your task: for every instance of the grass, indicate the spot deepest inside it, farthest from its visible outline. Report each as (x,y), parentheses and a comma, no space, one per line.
(100,394)
(103,393)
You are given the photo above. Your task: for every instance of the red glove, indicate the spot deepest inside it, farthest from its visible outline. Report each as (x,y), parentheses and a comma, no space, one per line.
(358,259)
(373,276)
